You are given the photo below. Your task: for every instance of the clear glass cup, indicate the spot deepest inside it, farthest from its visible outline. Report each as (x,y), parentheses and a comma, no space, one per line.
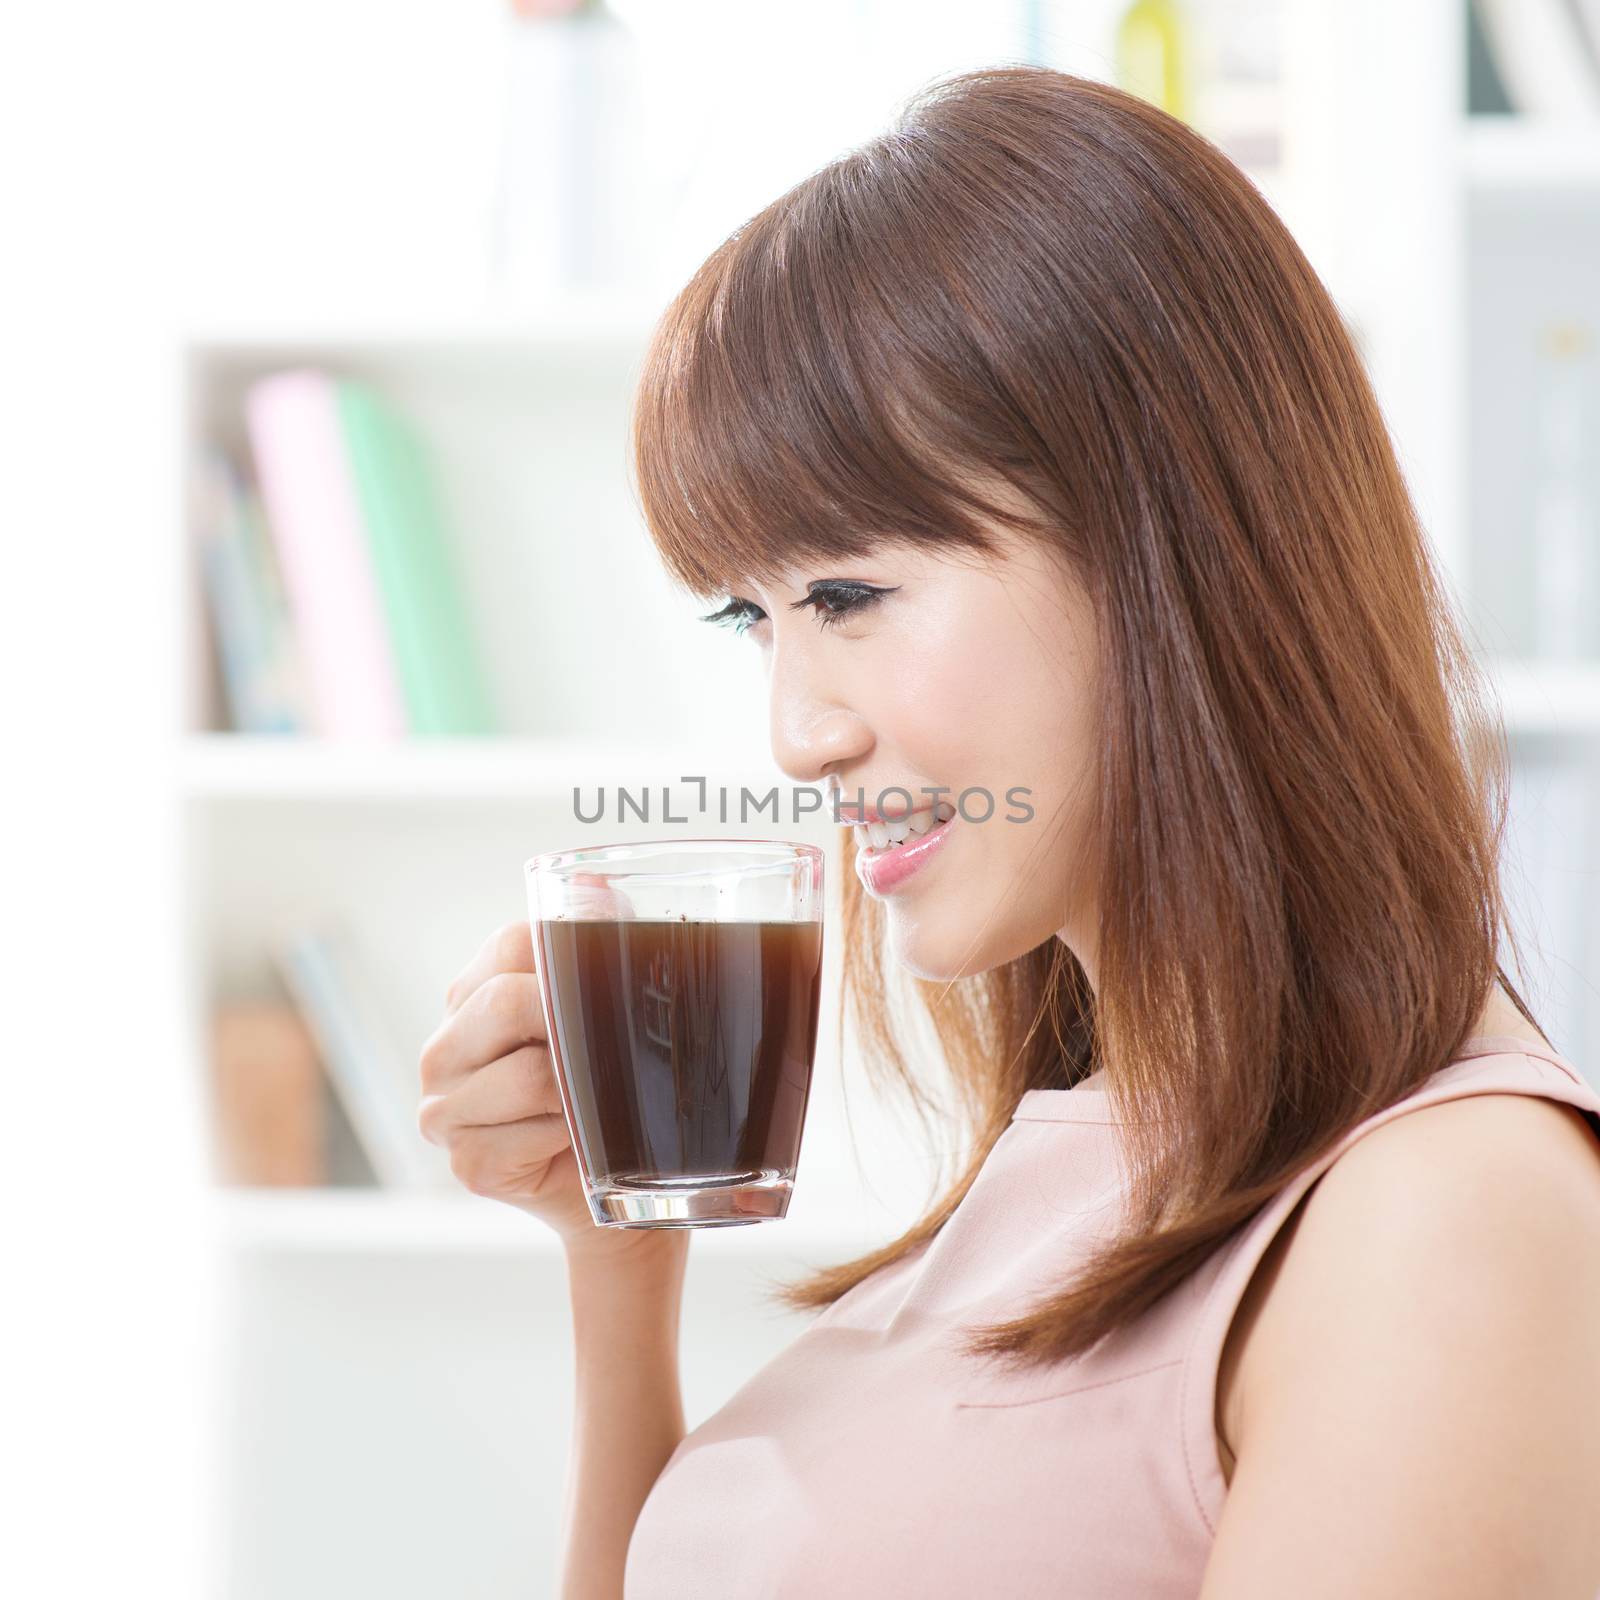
(681,981)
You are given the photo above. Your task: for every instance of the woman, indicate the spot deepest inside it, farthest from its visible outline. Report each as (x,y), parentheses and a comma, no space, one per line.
(1030,453)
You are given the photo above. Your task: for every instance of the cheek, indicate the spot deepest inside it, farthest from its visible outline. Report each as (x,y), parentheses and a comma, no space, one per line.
(964,698)
(985,697)
(1013,706)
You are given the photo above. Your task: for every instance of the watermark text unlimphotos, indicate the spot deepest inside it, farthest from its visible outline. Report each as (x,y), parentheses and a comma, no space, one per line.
(659,804)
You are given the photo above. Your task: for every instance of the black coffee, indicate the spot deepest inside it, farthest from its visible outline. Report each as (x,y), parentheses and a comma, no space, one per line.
(686,1046)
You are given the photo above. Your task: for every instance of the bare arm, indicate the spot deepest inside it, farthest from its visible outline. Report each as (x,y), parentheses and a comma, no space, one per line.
(490,1097)
(627,1405)
(1419,1416)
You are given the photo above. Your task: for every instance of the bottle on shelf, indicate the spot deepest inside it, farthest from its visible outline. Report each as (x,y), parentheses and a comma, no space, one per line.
(1566,510)
(1154,55)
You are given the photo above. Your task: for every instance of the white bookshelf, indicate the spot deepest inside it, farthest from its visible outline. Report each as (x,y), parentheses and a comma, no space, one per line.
(1520,155)
(582,322)
(602,677)
(242,766)
(1549,699)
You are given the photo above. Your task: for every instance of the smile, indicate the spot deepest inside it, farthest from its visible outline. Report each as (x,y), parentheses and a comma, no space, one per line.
(901,846)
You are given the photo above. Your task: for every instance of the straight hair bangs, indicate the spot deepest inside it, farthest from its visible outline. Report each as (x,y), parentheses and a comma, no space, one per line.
(790,410)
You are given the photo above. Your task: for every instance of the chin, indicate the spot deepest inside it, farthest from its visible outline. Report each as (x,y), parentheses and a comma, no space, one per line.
(940,949)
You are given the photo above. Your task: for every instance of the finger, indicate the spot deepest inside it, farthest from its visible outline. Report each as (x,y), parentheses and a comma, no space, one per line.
(508,949)
(507,1157)
(516,1086)
(592,894)
(501,1015)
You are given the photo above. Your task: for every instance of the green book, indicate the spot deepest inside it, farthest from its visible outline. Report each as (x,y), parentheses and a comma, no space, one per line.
(434,646)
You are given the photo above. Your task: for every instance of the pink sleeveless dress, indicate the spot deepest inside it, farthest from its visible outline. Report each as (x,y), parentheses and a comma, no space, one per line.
(870,1459)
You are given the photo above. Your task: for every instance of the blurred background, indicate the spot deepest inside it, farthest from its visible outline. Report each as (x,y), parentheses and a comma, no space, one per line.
(328,586)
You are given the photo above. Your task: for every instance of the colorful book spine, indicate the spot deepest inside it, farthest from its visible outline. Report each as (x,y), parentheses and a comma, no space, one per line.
(429,629)
(268,1097)
(1545,55)
(257,651)
(314,513)
(334,994)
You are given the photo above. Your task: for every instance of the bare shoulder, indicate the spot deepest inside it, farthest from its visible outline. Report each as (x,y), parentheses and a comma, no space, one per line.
(1511,1129)
(1469,1173)
(1429,1316)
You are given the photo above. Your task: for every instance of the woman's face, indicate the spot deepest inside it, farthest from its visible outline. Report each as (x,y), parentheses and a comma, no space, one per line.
(975,674)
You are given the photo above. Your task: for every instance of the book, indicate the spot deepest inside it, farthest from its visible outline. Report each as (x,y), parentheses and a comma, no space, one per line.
(1544,55)
(263,686)
(333,990)
(430,633)
(267,1097)
(315,518)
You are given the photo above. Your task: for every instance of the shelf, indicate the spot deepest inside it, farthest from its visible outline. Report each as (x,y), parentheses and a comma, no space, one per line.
(1535,696)
(585,320)
(366,1221)
(1517,154)
(250,767)
(1548,697)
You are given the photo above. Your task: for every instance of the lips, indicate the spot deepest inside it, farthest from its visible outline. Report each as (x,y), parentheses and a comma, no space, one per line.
(883,868)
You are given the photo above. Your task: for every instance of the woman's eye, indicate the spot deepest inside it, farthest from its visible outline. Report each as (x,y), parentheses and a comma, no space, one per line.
(831,602)
(736,614)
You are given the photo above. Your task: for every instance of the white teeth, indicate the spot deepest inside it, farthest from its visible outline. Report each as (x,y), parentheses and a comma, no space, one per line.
(896,830)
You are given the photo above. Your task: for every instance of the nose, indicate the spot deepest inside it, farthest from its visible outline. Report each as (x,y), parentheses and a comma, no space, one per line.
(813,735)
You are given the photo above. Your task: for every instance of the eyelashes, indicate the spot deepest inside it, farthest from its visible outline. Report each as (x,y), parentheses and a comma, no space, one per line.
(736,614)
(832,601)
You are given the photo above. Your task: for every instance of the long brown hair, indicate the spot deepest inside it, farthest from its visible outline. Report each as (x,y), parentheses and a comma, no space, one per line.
(1036,278)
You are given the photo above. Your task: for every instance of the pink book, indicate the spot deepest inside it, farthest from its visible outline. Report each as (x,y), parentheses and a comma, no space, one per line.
(313,509)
